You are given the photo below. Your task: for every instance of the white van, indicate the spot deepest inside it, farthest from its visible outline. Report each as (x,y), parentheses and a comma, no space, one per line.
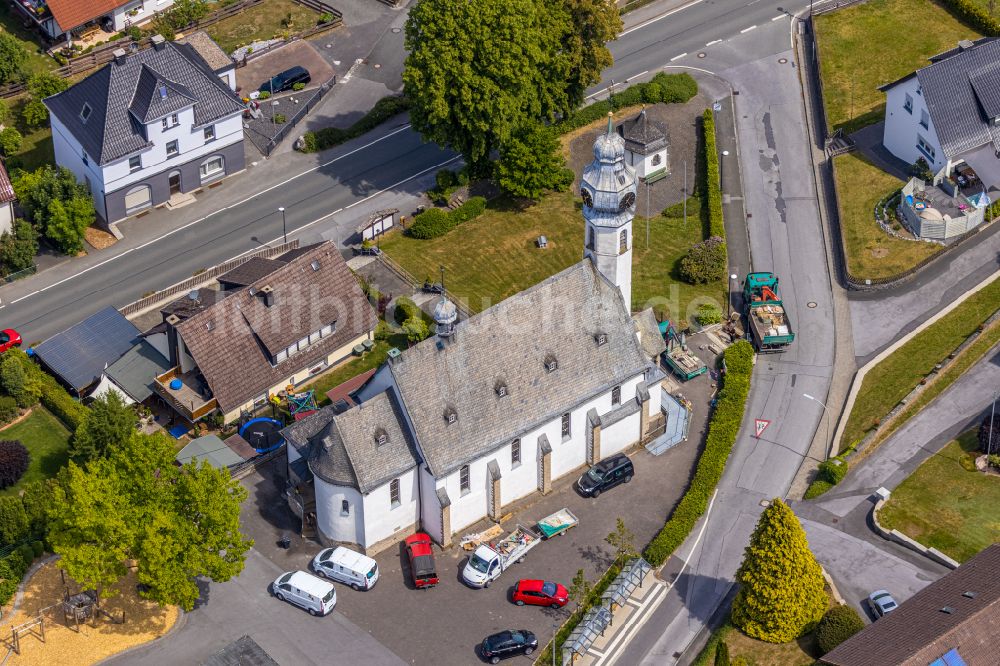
(305,590)
(347,566)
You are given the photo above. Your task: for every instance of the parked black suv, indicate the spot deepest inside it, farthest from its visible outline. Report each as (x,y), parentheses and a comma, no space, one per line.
(606,474)
(285,80)
(507,644)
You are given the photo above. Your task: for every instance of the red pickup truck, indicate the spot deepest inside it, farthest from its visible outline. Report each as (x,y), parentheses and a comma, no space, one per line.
(418,548)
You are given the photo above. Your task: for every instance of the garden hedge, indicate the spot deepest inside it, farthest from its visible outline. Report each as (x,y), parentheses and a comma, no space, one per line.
(436,222)
(665,88)
(713,184)
(54,397)
(838,624)
(722,432)
(328,137)
(974,15)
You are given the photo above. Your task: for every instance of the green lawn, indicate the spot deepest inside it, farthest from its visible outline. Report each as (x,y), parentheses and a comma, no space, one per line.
(871,253)
(945,505)
(353,368)
(494,256)
(263,21)
(892,379)
(877,42)
(47,441)
(12,22)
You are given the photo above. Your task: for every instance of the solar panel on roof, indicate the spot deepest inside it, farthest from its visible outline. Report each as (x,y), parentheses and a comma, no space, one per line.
(80,354)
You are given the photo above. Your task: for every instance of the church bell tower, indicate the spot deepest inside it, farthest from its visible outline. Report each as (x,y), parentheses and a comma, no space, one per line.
(608,188)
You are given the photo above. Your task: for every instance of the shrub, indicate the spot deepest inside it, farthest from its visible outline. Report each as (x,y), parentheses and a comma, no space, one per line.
(416,329)
(55,398)
(278,118)
(675,88)
(469,210)
(722,432)
(26,552)
(406,309)
(264,95)
(8,409)
(328,137)
(14,460)
(666,88)
(705,262)
(817,488)
(325,17)
(832,471)
(43,84)
(431,223)
(838,624)
(10,141)
(34,114)
(382,331)
(709,314)
(974,15)
(713,184)
(14,523)
(721,655)
(135,33)
(298,86)
(37,548)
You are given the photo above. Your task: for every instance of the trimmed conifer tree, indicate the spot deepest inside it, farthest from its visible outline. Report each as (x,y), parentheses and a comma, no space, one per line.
(781,592)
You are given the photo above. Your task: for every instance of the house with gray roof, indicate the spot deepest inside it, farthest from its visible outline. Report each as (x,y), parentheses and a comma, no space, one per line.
(489,411)
(948,113)
(150,126)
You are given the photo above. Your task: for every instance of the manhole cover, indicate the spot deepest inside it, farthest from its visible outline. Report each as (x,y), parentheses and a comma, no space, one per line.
(782,60)
(701,55)
(811,304)
(396,30)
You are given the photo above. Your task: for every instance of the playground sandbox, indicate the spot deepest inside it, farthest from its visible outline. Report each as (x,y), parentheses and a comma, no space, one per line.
(97,639)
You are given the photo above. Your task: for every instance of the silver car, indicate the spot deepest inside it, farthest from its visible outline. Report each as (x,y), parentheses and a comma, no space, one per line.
(881,602)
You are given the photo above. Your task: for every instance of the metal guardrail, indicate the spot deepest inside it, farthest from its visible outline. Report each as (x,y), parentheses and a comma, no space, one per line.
(23,273)
(460,305)
(290,123)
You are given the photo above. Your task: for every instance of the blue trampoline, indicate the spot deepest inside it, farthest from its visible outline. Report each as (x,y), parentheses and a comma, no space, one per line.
(263,434)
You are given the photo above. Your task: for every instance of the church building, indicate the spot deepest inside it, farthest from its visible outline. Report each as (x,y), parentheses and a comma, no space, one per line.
(496,407)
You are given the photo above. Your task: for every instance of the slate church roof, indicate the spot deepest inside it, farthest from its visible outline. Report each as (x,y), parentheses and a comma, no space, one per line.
(643,135)
(122,96)
(560,319)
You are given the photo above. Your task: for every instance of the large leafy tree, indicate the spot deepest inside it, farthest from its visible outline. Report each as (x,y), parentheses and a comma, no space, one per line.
(108,425)
(19,246)
(781,592)
(13,55)
(59,206)
(477,71)
(178,523)
(530,163)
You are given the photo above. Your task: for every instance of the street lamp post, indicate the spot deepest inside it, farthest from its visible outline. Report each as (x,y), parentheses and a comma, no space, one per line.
(284,229)
(827,412)
(989,438)
(729,305)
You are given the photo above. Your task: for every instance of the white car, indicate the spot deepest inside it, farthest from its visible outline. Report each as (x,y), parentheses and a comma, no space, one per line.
(346,566)
(306,591)
(881,602)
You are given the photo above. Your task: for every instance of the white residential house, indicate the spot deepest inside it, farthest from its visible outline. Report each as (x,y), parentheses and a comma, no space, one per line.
(59,19)
(492,409)
(149,125)
(948,113)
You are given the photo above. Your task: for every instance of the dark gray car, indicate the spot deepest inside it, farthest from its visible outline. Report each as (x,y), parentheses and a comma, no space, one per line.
(286,79)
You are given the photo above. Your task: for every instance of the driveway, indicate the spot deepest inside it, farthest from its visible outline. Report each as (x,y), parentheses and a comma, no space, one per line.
(227,611)
(264,67)
(444,625)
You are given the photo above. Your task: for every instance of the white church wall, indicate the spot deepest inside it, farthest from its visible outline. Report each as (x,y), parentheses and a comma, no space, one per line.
(382,518)
(333,522)
(620,436)
(430,508)
(467,506)
(518,479)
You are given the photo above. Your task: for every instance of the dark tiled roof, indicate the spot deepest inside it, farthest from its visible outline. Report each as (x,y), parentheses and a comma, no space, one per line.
(344,391)
(227,340)
(6,189)
(649,333)
(250,271)
(296,252)
(919,631)
(156,97)
(112,131)
(643,135)
(346,452)
(243,652)
(185,306)
(560,318)
(962,89)
(208,50)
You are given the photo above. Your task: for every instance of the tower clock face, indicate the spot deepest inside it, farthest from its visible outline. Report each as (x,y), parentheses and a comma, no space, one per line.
(627,201)
(587,199)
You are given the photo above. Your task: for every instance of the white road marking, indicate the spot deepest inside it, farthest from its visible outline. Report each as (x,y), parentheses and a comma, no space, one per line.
(642,73)
(660,17)
(745,30)
(678,57)
(215,212)
(779,17)
(714,41)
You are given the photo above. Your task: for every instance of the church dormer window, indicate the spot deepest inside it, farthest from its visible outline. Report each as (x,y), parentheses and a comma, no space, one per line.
(601,339)
(551,363)
(450,415)
(501,389)
(381,437)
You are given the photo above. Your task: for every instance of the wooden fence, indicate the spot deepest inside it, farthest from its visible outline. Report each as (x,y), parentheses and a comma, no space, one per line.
(192,282)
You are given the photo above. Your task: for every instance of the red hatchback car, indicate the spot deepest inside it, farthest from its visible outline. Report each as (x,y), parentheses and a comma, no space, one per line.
(418,549)
(9,338)
(540,593)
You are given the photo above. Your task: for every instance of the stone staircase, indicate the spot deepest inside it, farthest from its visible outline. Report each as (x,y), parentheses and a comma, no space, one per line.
(677,420)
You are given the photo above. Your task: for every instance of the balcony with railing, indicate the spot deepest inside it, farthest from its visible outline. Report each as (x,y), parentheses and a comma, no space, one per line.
(186,392)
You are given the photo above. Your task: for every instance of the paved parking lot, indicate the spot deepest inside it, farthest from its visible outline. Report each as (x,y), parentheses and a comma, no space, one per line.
(301,52)
(444,625)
